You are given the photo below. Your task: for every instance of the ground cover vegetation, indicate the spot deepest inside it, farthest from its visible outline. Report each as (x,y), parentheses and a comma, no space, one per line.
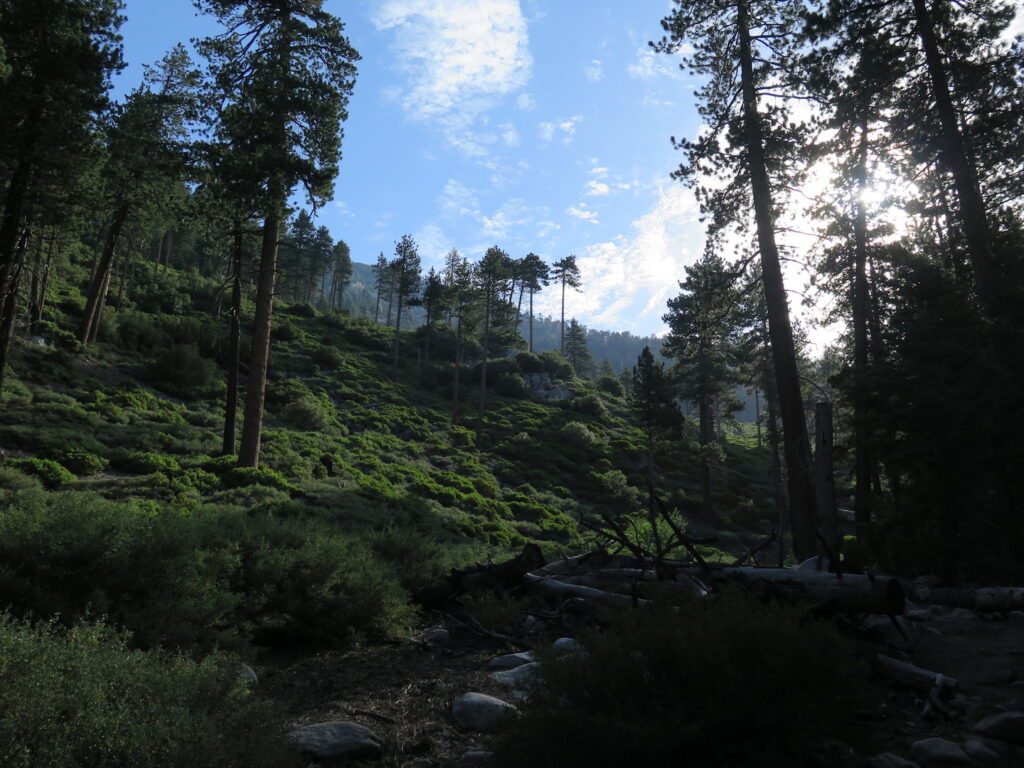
(396,424)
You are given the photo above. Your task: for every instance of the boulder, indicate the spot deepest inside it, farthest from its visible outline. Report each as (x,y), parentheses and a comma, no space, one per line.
(510,661)
(477,758)
(336,740)
(980,752)
(567,644)
(480,712)
(520,678)
(889,760)
(1007,726)
(938,752)
(249,676)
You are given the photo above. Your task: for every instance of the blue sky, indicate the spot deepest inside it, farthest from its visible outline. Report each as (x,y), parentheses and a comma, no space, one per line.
(534,125)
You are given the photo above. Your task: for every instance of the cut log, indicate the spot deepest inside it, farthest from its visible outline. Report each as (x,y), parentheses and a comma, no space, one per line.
(911,676)
(989,599)
(563,590)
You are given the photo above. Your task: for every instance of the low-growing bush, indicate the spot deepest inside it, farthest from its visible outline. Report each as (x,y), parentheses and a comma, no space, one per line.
(612,386)
(50,473)
(530,363)
(588,404)
(81,698)
(731,681)
(82,462)
(242,477)
(310,413)
(556,364)
(181,370)
(511,385)
(12,479)
(145,463)
(328,357)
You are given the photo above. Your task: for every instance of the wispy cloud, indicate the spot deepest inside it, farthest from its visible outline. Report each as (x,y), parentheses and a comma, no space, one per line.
(594,71)
(582,212)
(526,102)
(648,65)
(566,128)
(460,57)
(597,188)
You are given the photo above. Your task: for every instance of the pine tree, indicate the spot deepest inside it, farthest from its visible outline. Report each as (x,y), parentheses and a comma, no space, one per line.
(284,73)
(565,272)
(535,277)
(576,351)
(341,274)
(743,47)
(407,277)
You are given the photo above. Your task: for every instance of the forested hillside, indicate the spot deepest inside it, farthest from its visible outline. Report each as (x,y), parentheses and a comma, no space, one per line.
(223,440)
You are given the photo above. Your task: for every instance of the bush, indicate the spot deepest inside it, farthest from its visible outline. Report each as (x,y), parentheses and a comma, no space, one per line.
(511,385)
(612,386)
(83,462)
(309,413)
(588,404)
(243,477)
(82,698)
(556,364)
(12,479)
(50,473)
(578,435)
(328,357)
(530,363)
(730,682)
(181,370)
(301,309)
(145,463)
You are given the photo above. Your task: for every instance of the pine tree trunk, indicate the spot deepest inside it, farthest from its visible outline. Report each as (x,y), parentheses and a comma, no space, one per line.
(487,350)
(100,282)
(823,476)
(862,459)
(456,409)
(259,358)
(956,157)
(398,330)
(561,331)
(10,282)
(531,320)
(781,499)
(794,426)
(234,345)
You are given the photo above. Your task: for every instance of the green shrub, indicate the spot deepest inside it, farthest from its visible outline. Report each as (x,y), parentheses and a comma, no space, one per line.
(83,462)
(181,370)
(82,698)
(556,364)
(612,386)
(511,385)
(12,479)
(242,477)
(328,357)
(50,473)
(310,413)
(730,682)
(145,463)
(285,330)
(302,309)
(220,464)
(530,363)
(588,404)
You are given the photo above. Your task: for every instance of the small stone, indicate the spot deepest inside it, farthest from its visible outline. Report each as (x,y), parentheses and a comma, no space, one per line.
(567,644)
(938,752)
(1008,726)
(248,674)
(480,712)
(520,678)
(331,741)
(978,750)
(510,661)
(436,634)
(477,758)
(979,710)
(889,760)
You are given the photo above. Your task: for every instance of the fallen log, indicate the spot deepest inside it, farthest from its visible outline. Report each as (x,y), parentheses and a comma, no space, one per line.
(911,676)
(499,577)
(564,590)
(986,599)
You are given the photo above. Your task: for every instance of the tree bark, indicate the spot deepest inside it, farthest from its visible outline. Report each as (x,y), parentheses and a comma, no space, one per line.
(100,282)
(706,437)
(9,283)
(823,477)
(234,345)
(803,517)
(398,330)
(860,304)
(256,385)
(955,155)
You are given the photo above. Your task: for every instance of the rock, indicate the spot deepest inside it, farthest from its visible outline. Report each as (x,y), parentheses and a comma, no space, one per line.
(937,752)
(331,741)
(436,634)
(480,712)
(477,758)
(889,760)
(1008,726)
(981,752)
(519,679)
(567,644)
(979,710)
(918,614)
(885,631)
(248,674)
(958,621)
(510,661)
(541,387)
(421,763)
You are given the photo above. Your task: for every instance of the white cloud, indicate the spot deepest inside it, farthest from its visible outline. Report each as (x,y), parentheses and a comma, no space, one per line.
(343,209)
(581,212)
(594,71)
(458,201)
(460,57)
(628,279)
(599,171)
(509,134)
(525,101)
(649,65)
(597,188)
(567,128)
